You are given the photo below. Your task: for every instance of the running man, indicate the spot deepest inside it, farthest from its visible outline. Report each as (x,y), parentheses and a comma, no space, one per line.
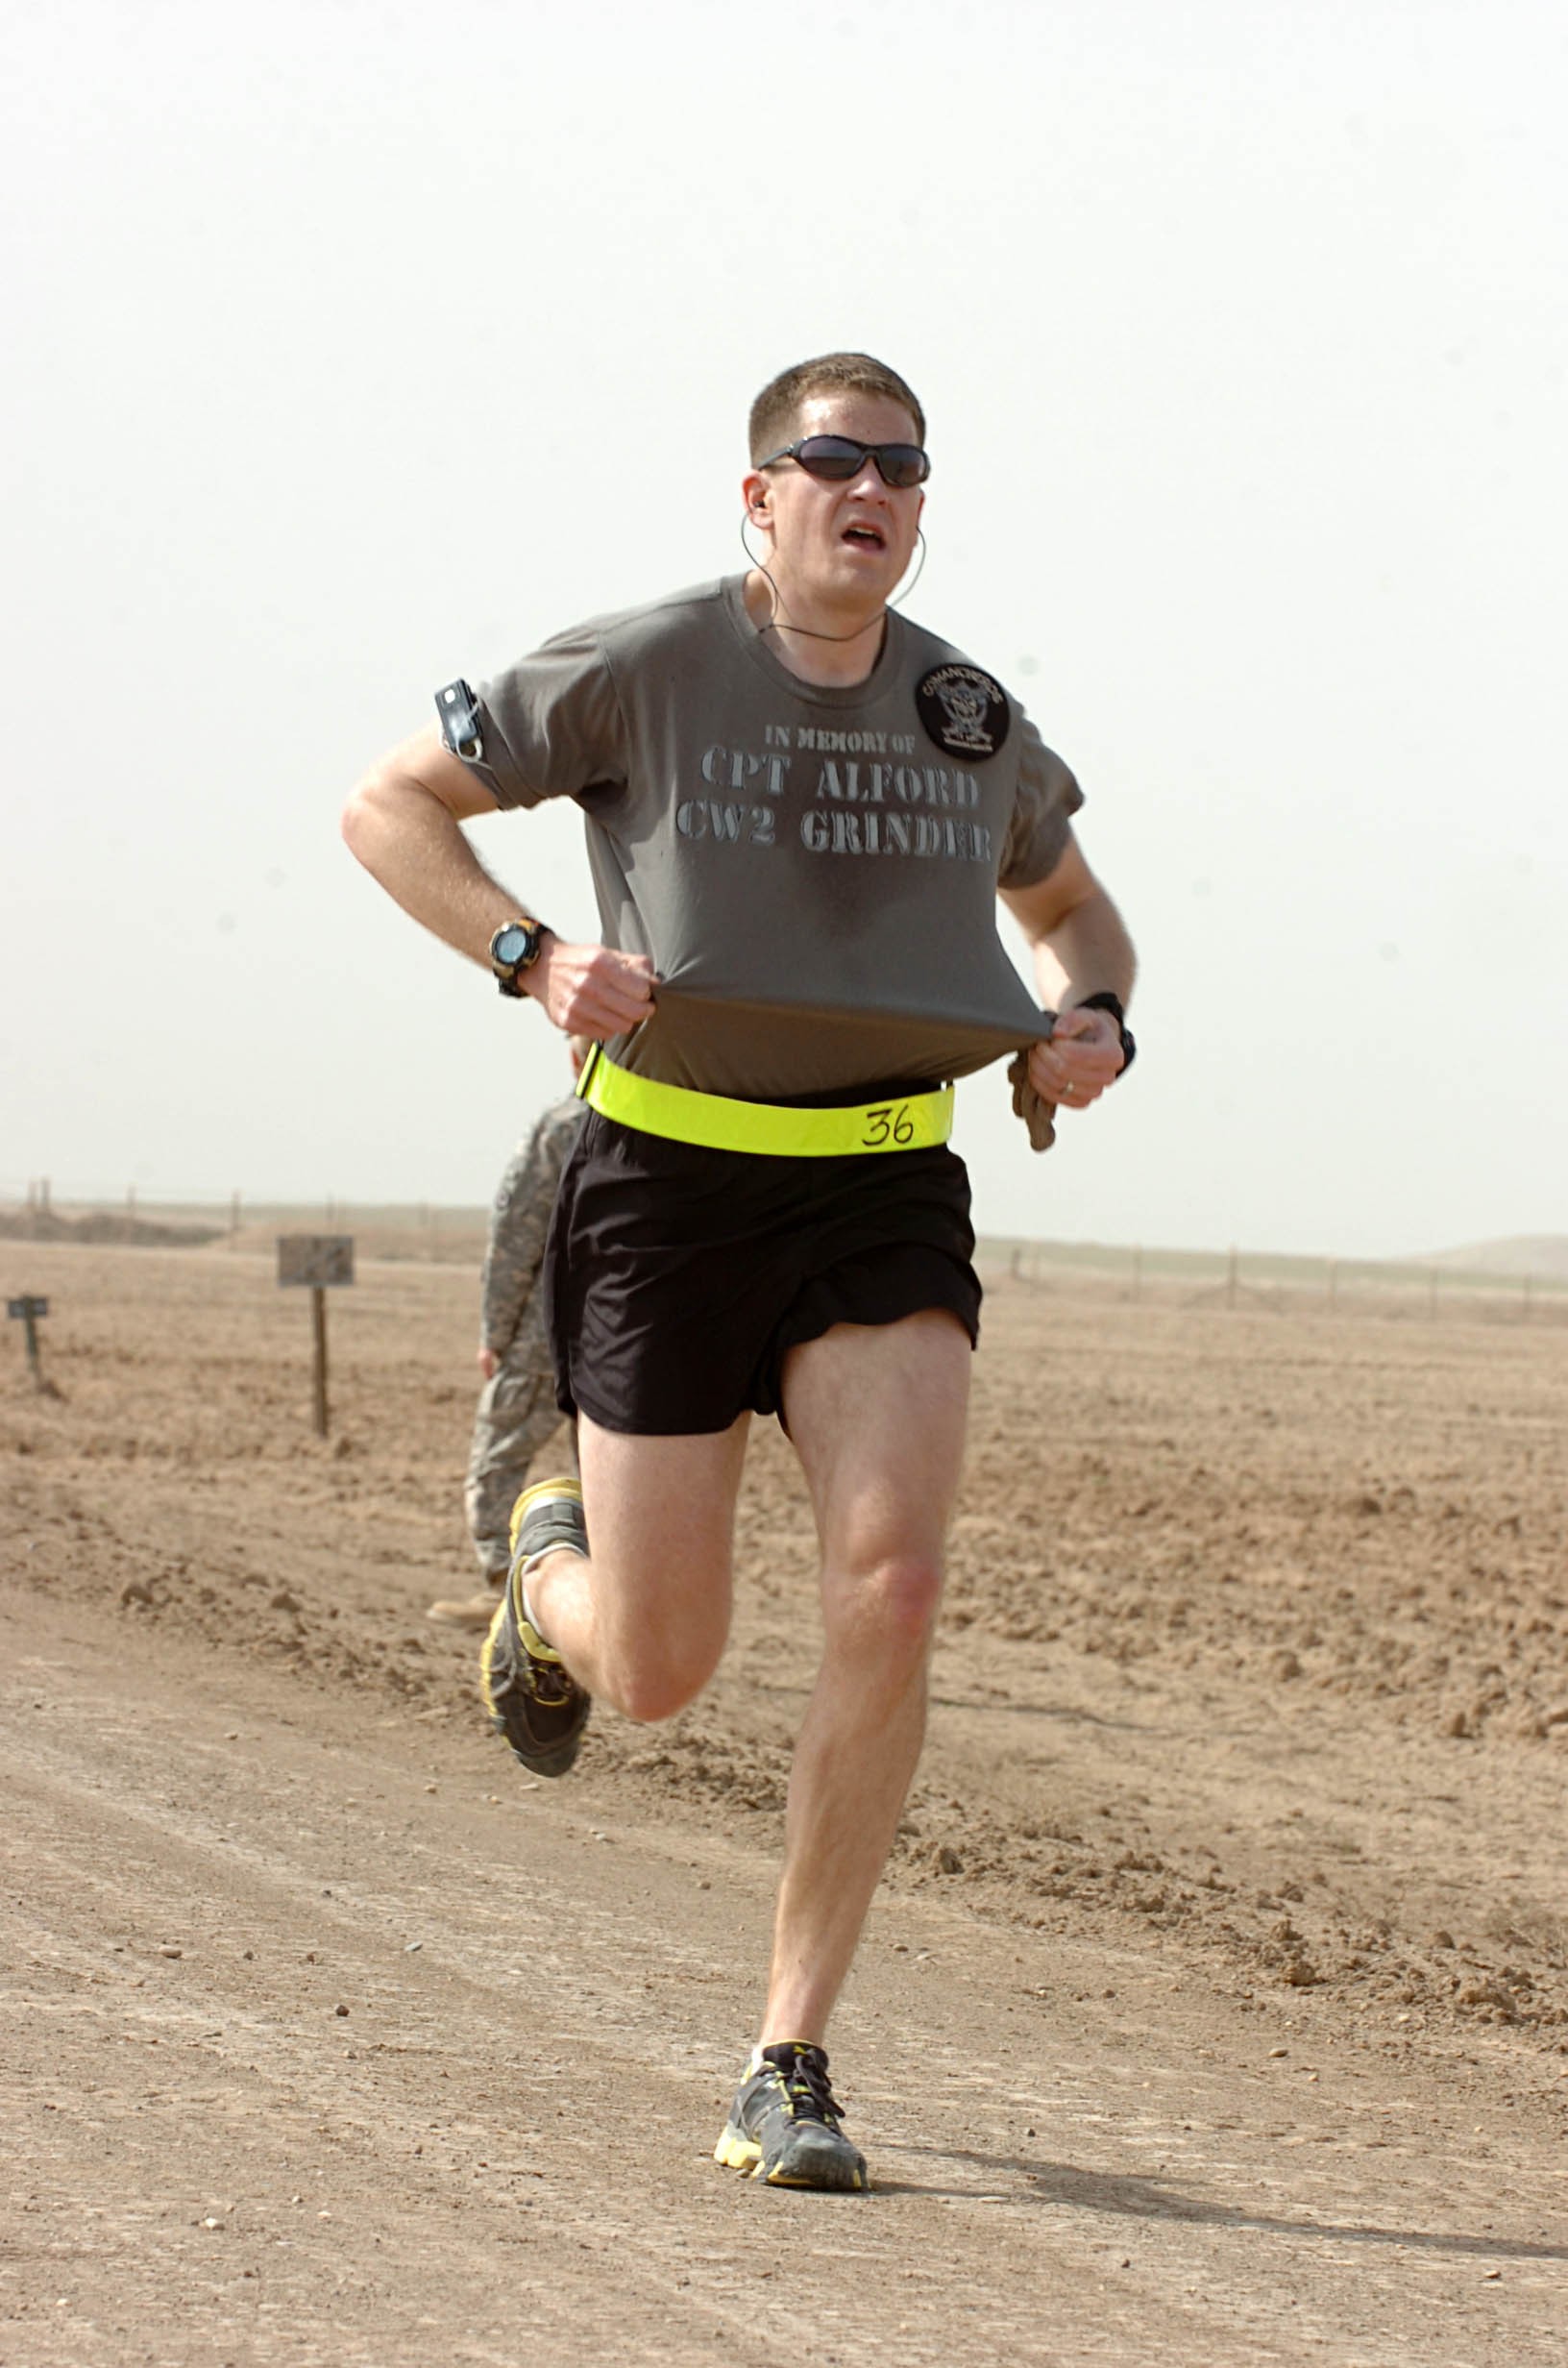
(800,810)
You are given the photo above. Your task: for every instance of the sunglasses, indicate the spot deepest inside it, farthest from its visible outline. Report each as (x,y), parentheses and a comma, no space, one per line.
(839,457)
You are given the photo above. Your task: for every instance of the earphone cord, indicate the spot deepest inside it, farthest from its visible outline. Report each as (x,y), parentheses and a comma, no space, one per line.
(807,632)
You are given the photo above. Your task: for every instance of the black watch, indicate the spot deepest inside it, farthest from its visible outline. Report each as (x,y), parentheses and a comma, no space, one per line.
(1105,1000)
(515,949)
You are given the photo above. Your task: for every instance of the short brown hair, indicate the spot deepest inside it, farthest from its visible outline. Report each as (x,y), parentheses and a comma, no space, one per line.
(776,411)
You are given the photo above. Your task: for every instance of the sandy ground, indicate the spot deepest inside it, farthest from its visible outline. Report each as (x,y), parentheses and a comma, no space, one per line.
(1214,2010)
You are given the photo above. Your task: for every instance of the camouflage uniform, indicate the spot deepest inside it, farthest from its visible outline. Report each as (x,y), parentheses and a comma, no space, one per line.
(517,1410)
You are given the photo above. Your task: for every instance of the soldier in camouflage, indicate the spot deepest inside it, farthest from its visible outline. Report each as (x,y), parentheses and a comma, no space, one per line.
(517,1410)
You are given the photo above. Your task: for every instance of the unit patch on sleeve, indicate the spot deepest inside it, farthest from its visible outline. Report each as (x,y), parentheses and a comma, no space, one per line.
(965,711)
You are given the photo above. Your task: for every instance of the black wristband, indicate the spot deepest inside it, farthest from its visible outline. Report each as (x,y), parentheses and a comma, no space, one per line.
(1105,1000)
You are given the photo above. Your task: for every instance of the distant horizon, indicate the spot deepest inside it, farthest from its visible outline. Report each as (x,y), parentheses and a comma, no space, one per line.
(1504,1257)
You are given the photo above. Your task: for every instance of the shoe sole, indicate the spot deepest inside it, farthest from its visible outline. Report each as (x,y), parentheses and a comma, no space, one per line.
(537,1764)
(736,2152)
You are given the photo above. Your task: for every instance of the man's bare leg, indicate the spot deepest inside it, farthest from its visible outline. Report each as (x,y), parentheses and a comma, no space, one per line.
(642,1623)
(876,1415)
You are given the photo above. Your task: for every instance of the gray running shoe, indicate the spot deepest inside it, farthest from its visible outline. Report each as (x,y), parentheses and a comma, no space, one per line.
(532,1699)
(783,2127)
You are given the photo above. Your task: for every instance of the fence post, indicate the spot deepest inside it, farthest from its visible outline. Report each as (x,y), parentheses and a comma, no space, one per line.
(318,1314)
(28,1308)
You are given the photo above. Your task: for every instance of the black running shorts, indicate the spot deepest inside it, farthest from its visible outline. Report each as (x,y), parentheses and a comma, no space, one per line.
(677,1280)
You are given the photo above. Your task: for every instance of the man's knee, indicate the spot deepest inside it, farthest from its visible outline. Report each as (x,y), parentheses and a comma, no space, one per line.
(651,1686)
(891,1605)
(658,1650)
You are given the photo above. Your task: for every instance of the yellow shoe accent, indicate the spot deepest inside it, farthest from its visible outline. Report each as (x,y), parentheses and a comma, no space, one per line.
(737,2153)
(486,1649)
(530,1633)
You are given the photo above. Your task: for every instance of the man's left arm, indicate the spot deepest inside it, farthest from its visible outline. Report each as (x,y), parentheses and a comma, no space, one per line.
(1074,932)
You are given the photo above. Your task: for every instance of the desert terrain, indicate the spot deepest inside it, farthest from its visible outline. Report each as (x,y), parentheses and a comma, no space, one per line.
(1215,2007)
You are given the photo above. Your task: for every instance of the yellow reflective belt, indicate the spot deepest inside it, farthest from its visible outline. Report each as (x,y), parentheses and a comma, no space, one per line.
(718,1124)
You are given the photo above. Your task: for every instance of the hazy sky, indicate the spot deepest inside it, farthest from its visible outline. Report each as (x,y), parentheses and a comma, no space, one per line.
(356,347)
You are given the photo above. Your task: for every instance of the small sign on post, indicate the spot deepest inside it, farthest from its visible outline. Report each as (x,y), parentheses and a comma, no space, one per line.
(322,1261)
(27,1310)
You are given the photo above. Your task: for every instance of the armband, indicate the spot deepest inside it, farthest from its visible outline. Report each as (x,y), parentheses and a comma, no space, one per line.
(459,712)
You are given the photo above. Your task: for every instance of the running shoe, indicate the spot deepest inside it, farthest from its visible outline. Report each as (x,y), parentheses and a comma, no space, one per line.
(534,1701)
(783,2127)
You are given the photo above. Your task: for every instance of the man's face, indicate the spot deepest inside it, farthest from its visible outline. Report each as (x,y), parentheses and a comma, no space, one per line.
(849,543)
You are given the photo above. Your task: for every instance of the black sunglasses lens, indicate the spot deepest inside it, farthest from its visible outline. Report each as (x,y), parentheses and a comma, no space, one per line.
(902,464)
(833,456)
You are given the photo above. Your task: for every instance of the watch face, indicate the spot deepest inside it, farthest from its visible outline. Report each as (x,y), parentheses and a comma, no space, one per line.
(509,945)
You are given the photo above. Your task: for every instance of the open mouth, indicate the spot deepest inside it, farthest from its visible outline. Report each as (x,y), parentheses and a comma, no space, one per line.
(864,538)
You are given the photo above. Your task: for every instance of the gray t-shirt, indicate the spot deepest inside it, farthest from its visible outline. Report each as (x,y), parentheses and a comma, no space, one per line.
(813,869)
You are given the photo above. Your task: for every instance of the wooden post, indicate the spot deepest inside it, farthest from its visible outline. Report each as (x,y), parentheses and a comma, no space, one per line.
(28,1309)
(318,1310)
(321,1261)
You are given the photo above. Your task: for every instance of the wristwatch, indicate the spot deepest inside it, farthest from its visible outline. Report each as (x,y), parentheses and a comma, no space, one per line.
(515,949)
(1105,1000)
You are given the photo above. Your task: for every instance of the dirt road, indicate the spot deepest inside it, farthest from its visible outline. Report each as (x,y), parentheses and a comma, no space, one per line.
(1216,2010)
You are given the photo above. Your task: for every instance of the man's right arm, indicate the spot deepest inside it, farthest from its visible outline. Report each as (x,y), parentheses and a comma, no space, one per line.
(403,821)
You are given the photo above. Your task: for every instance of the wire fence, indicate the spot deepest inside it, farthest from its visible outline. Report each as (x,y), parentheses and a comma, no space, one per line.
(1234,1279)
(42,1212)
(221,1211)
(1268,1282)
